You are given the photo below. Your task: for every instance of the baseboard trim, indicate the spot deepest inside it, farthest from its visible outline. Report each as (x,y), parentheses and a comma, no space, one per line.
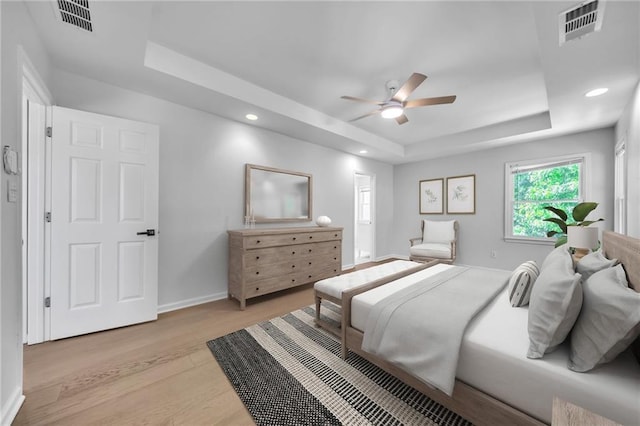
(174,306)
(11,408)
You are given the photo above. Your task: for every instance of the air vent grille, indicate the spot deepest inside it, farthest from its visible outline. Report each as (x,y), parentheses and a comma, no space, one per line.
(580,20)
(76,12)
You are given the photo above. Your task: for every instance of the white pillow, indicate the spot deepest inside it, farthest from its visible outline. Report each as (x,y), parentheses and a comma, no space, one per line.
(609,321)
(555,304)
(521,282)
(438,231)
(592,263)
(558,254)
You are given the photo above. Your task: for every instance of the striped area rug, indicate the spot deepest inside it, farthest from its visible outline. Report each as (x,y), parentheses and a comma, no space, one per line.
(289,372)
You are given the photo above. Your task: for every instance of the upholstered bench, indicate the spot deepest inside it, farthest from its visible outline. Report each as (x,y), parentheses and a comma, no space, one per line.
(331,289)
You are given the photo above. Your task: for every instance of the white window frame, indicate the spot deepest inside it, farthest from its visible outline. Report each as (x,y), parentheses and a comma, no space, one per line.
(584,158)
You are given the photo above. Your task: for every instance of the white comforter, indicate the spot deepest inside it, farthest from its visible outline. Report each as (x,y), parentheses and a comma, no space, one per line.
(420,327)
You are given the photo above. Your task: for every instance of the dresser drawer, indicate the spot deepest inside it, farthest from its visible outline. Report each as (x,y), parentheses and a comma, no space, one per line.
(258,241)
(266,256)
(269,285)
(308,264)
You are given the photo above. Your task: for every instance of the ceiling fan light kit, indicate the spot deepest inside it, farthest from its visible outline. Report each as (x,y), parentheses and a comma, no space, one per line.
(393,110)
(396,104)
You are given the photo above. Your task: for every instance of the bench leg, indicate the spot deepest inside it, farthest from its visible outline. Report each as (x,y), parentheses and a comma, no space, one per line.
(318,301)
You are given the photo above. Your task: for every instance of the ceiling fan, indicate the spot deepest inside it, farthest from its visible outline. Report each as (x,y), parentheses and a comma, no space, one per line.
(397,102)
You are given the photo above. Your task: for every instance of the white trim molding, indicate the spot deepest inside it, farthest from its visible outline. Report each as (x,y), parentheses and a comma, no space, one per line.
(187,303)
(10,409)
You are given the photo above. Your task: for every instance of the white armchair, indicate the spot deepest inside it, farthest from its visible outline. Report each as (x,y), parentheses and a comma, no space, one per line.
(438,242)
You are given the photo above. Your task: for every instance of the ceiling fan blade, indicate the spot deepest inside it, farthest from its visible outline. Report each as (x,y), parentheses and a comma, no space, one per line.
(352,98)
(430,101)
(402,119)
(409,86)
(366,115)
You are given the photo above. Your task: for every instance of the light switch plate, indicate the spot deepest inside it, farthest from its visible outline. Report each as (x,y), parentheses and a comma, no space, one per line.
(12,191)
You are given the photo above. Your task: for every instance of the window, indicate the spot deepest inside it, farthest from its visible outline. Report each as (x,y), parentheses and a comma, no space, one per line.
(532,185)
(620,218)
(364,205)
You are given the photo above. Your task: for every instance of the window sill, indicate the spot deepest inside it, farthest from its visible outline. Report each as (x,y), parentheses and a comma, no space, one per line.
(525,240)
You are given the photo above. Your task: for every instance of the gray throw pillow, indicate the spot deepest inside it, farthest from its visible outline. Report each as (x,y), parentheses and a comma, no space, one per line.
(609,321)
(558,254)
(555,303)
(521,282)
(592,263)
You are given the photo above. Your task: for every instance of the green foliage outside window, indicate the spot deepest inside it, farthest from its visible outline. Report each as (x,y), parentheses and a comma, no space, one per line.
(533,190)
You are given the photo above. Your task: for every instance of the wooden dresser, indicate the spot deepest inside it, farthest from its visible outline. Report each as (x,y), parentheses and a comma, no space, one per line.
(262,261)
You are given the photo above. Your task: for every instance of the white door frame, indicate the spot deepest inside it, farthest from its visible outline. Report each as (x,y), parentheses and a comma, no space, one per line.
(372,178)
(34,159)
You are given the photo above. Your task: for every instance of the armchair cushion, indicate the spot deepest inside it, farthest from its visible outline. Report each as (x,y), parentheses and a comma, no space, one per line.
(435,250)
(438,231)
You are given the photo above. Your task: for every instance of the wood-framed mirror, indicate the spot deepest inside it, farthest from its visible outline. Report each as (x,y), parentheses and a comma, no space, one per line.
(277,195)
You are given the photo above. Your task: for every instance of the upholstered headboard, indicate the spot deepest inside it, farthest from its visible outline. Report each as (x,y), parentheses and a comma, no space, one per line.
(627,251)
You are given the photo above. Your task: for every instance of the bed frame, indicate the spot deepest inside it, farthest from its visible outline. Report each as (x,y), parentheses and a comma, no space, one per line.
(469,402)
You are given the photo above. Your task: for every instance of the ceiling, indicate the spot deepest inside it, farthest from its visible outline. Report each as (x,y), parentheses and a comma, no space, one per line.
(290,62)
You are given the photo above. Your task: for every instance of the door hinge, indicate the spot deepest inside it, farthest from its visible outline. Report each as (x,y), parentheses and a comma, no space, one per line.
(47,217)
(49,131)
(47,302)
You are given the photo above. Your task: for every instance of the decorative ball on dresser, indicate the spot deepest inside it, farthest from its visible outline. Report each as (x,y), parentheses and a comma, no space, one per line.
(323,221)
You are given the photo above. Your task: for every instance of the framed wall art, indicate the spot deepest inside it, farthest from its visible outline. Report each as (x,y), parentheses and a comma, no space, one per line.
(432,196)
(461,194)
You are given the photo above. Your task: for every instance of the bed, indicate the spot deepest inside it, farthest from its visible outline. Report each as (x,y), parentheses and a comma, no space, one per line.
(492,366)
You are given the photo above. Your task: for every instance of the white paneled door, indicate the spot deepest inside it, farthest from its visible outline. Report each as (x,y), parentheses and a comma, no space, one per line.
(104,222)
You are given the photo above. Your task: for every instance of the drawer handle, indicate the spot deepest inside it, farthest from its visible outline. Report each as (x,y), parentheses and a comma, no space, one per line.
(309,276)
(293,266)
(293,280)
(258,242)
(309,263)
(311,237)
(335,235)
(294,238)
(293,252)
(335,258)
(335,247)
(310,250)
(257,288)
(257,257)
(257,272)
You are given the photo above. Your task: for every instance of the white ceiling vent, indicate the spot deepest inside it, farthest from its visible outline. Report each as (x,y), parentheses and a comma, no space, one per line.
(74,12)
(580,20)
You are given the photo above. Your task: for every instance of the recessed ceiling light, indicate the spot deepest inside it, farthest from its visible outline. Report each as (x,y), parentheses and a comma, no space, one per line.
(251,117)
(596,92)
(363,151)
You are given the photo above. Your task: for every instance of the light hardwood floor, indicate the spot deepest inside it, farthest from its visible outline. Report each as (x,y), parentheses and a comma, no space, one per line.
(155,373)
(158,373)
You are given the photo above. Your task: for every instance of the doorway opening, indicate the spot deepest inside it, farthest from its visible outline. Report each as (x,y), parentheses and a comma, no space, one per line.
(364,196)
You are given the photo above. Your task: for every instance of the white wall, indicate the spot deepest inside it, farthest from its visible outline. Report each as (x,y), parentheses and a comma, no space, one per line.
(629,128)
(202,160)
(17,29)
(482,232)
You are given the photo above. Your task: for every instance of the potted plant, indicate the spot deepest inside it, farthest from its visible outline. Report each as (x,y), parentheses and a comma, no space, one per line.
(578,214)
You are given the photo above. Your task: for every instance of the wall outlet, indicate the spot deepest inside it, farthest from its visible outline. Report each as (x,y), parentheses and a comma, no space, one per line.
(493,254)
